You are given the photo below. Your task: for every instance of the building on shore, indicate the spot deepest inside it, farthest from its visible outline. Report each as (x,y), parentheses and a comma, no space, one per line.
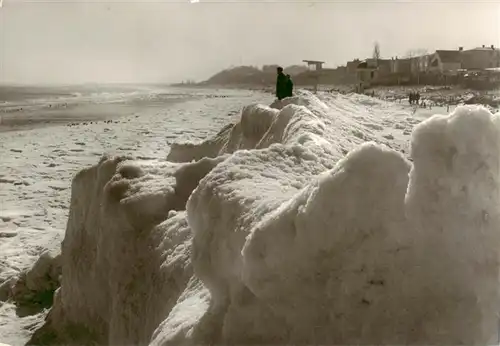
(443,67)
(480,58)
(444,61)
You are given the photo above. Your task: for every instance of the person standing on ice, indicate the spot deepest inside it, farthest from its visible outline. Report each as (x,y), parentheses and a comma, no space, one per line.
(289,86)
(281,84)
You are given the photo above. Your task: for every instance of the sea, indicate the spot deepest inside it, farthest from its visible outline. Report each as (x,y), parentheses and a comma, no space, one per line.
(27,107)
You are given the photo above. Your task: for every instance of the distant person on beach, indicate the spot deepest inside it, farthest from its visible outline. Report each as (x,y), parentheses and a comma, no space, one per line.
(281,83)
(289,86)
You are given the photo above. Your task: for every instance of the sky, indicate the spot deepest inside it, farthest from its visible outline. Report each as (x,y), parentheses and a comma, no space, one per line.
(163,41)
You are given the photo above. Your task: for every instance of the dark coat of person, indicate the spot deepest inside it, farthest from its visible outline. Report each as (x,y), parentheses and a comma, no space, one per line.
(289,86)
(281,85)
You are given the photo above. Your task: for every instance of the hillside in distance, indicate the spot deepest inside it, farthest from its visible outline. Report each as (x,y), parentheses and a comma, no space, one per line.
(250,75)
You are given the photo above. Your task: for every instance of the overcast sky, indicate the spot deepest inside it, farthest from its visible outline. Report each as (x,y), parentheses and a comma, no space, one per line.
(165,41)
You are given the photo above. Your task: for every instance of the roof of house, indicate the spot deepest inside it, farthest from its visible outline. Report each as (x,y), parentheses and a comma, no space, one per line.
(367,64)
(449,56)
(313,62)
(482,49)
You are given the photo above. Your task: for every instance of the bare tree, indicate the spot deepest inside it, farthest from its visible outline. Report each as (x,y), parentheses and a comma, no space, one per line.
(376,52)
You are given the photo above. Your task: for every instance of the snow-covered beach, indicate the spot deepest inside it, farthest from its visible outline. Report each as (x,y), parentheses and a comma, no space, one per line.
(216,251)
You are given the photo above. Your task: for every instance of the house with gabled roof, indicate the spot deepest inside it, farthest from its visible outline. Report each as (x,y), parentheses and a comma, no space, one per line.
(445,61)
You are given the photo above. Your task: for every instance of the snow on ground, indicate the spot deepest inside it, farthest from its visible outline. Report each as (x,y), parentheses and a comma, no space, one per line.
(305,222)
(38,165)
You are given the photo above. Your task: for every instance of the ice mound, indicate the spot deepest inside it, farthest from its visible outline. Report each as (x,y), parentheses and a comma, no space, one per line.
(34,289)
(286,246)
(245,134)
(453,205)
(340,125)
(126,253)
(186,152)
(295,225)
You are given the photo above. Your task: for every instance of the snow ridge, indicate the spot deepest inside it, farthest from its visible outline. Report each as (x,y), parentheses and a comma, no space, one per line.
(302,223)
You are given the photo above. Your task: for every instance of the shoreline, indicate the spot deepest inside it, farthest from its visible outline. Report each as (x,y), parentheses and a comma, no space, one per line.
(73,114)
(34,116)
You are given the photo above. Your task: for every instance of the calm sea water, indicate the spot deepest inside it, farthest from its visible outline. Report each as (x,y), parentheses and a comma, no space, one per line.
(28,106)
